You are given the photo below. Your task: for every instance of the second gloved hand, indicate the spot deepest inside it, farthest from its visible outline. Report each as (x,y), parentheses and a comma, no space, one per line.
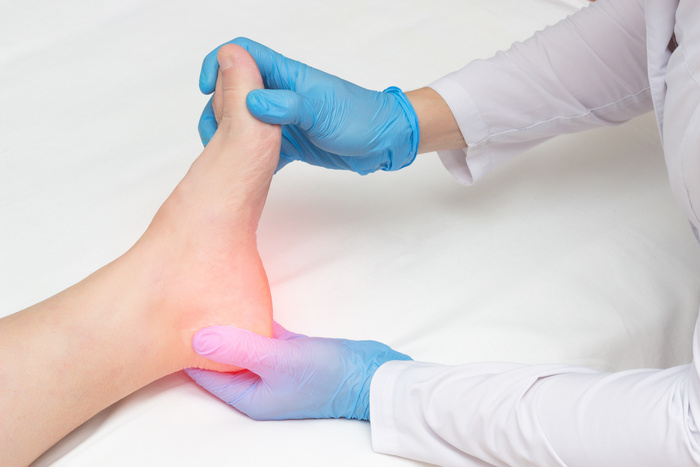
(326,121)
(291,376)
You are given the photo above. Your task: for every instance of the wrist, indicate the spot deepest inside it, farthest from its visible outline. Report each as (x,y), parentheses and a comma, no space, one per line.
(405,137)
(372,355)
(361,409)
(438,128)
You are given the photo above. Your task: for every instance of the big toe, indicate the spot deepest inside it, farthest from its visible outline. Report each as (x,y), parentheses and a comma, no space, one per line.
(239,76)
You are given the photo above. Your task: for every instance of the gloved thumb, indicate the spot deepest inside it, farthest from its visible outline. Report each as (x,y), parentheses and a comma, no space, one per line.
(281,107)
(238,347)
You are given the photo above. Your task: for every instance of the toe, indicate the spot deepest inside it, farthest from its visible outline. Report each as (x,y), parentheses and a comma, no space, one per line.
(239,76)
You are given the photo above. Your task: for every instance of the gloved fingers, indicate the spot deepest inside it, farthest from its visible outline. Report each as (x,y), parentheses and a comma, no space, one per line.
(281,107)
(294,144)
(268,62)
(279,332)
(239,347)
(209,71)
(278,71)
(207,123)
(229,387)
(213,381)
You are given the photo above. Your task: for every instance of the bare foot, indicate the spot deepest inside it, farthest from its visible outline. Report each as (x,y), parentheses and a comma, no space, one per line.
(132,321)
(202,241)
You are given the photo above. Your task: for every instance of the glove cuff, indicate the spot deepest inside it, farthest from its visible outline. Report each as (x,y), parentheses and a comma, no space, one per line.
(412,118)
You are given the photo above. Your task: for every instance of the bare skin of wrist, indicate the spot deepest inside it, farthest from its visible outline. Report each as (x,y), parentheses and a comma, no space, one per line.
(437,125)
(132,321)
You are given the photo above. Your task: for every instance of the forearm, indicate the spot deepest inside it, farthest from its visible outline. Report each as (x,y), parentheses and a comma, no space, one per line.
(74,354)
(586,71)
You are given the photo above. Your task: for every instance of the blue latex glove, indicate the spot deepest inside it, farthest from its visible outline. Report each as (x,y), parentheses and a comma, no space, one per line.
(291,376)
(325,120)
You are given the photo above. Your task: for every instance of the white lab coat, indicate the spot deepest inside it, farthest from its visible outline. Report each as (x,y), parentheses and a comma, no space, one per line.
(604,65)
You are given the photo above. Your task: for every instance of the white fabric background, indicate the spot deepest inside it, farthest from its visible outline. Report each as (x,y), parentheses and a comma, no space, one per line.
(573,253)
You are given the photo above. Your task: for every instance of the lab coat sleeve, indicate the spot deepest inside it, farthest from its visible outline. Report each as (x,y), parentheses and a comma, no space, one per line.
(588,70)
(545,415)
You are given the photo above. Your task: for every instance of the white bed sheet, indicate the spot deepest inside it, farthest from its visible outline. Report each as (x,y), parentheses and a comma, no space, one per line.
(573,253)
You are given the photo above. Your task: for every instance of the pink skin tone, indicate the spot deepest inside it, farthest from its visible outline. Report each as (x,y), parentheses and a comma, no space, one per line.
(132,322)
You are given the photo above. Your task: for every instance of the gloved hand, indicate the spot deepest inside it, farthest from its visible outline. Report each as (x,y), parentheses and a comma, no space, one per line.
(325,120)
(291,376)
